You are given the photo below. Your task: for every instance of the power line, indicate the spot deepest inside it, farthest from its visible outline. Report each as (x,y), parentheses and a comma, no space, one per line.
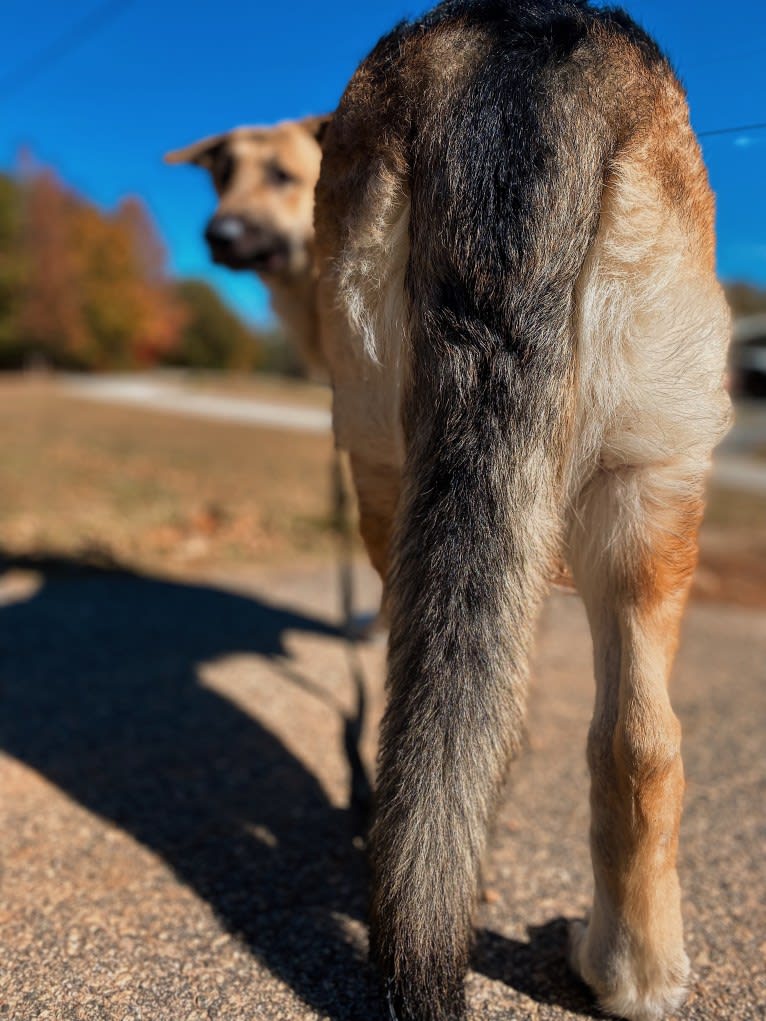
(743,129)
(68,41)
(91,23)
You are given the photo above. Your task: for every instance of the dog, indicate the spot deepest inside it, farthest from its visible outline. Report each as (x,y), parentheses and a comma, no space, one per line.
(527,343)
(265,179)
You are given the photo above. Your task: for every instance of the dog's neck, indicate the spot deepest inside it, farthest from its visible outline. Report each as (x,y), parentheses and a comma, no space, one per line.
(294,300)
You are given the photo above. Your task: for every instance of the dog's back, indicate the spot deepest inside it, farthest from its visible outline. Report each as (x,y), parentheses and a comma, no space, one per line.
(527,344)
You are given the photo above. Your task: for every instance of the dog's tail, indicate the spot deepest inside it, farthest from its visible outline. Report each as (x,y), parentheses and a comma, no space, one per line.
(504,205)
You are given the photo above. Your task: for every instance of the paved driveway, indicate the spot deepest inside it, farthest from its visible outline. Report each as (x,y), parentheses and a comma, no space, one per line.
(176,838)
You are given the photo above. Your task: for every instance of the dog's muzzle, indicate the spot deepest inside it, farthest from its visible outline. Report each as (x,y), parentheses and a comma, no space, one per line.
(240,244)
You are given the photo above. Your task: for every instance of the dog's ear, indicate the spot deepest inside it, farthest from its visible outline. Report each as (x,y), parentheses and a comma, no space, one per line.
(201,153)
(316,126)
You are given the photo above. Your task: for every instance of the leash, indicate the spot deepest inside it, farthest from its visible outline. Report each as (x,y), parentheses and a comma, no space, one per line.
(360,793)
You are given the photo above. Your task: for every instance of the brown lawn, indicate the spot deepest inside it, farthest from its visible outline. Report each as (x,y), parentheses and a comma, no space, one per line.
(167,492)
(81,478)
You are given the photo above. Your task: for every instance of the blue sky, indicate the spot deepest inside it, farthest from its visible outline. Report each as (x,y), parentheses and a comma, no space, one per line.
(161,73)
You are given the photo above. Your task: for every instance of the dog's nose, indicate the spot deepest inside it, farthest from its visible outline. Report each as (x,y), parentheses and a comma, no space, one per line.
(224,230)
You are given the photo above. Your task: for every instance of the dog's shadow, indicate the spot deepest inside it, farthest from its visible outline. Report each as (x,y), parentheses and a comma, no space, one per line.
(538,968)
(100,694)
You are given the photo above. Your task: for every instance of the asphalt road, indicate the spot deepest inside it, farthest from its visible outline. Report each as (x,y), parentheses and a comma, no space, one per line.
(177,842)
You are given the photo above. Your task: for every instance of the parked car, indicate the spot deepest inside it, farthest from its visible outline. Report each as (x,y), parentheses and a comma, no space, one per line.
(748,357)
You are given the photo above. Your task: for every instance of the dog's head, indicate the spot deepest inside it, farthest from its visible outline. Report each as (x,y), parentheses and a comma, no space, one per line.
(265,180)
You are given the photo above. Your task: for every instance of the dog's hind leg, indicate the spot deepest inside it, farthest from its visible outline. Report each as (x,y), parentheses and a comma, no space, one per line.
(651,351)
(636,551)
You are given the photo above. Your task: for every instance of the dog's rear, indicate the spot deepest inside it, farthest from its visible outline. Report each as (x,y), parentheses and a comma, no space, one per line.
(527,353)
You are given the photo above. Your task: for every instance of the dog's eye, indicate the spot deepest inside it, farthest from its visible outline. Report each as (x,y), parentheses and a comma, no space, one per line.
(279,176)
(224,170)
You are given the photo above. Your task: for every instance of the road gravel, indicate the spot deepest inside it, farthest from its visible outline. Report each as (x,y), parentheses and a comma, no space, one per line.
(177,842)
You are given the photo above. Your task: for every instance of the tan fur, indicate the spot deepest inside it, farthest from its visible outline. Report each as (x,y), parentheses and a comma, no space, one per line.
(642,409)
(654,329)
(377,487)
(287,211)
(648,404)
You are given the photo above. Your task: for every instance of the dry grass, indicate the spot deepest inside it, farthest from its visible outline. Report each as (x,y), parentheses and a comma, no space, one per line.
(152,489)
(168,492)
(732,564)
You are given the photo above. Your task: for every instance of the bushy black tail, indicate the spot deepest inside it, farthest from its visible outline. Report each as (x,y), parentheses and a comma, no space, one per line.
(505,181)
(478,532)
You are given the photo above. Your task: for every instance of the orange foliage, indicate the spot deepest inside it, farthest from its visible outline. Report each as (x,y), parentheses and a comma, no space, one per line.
(95,293)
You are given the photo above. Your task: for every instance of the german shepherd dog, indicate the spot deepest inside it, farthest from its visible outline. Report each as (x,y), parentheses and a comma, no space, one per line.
(527,341)
(265,179)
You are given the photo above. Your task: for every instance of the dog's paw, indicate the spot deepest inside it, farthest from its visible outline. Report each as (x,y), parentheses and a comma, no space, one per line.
(638,985)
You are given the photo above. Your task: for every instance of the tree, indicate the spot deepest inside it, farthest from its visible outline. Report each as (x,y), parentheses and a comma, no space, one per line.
(11,269)
(213,337)
(159,312)
(746,299)
(84,288)
(50,319)
(94,292)
(132,314)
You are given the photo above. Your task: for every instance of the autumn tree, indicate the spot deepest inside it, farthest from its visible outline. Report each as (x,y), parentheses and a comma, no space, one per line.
(85,288)
(213,337)
(95,294)
(50,319)
(160,316)
(11,269)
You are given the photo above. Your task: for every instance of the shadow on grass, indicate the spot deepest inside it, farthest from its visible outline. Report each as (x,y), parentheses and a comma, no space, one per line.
(99,693)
